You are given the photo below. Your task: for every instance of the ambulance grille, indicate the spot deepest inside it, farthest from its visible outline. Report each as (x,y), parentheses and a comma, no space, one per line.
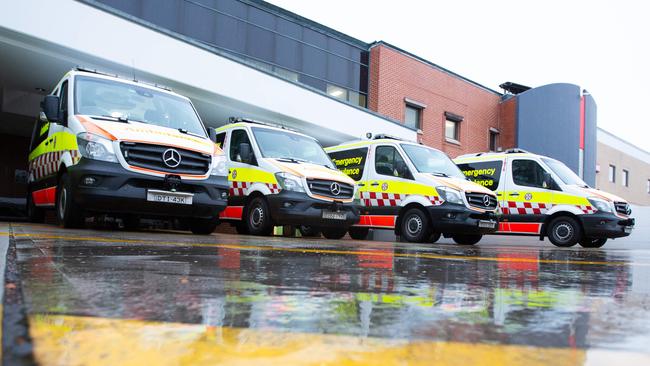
(623,208)
(324,188)
(476,200)
(151,157)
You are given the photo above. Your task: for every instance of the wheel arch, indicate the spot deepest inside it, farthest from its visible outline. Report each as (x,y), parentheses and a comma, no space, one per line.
(403,209)
(549,218)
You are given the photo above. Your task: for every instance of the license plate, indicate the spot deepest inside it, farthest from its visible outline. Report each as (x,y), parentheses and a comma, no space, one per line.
(628,229)
(179,198)
(487,224)
(331,215)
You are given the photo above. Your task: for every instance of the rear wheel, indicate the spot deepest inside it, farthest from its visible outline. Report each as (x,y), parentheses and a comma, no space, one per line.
(592,242)
(334,233)
(68,212)
(203,226)
(434,237)
(258,217)
(467,239)
(564,232)
(34,214)
(415,226)
(241,228)
(358,233)
(309,231)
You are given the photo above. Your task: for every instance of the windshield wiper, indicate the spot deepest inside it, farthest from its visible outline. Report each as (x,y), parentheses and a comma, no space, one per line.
(292,160)
(182,130)
(106,117)
(440,174)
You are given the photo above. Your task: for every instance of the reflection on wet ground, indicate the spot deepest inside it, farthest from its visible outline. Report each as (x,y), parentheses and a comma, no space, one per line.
(395,293)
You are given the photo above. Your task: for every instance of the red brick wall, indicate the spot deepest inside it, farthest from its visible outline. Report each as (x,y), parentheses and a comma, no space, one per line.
(395,76)
(508,123)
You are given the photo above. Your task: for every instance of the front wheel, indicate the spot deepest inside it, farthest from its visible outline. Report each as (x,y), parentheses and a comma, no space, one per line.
(203,226)
(434,237)
(564,232)
(592,242)
(68,212)
(258,217)
(358,233)
(334,233)
(415,226)
(309,231)
(466,239)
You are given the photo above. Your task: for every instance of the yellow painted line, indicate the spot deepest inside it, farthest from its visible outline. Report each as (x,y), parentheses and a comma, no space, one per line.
(321,251)
(73,340)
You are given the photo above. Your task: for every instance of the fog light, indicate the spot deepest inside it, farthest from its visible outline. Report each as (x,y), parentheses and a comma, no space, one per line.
(451,215)
(224,195)
(89,181)
(287,204)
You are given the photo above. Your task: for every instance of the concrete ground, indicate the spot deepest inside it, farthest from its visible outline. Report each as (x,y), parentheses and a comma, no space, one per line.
(116,297)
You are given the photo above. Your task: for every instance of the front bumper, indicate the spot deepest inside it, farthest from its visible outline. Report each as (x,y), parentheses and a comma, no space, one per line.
(456,219)
(606,225)
(120,191)
(294,208)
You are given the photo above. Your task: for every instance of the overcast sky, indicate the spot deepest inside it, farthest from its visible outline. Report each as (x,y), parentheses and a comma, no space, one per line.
(603,46)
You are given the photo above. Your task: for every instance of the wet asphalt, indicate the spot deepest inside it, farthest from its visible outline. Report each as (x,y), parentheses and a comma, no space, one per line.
(504,291)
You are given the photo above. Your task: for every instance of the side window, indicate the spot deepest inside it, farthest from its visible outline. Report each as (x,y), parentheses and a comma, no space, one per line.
(388,161)
(485,173)
(221,140)
(350,162)
(63,98)
(238,137)
(529,173)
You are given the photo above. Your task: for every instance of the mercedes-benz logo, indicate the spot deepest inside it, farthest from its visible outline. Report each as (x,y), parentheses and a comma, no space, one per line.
(486,200)
(171,158)
(335,188)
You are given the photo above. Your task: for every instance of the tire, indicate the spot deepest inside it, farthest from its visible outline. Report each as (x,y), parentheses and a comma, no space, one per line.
(241,228)
(34,214)
(564,232)
(203,226)
(334,233)
(592,242)
(434,237)
(467,239)
(68,213)
(258,217)
(415,226)
(309,231)
(358,233)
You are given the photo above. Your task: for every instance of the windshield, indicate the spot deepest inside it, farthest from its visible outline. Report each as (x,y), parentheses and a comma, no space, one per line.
(100,97)
(566,175)
(287,145)
(427,160)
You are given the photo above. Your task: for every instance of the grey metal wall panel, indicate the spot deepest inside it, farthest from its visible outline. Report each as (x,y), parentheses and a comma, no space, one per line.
(591,144)
(548,122)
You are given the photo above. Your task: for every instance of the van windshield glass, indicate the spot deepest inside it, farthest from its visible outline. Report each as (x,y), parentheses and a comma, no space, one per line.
(427,160)
(114,99)
(565,173)
(290,146)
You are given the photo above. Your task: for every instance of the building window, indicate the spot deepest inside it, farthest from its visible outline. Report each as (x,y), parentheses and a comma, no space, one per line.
(452,127)
(647,188)
(626,177)
(494,139)
(612,173)
(413,116)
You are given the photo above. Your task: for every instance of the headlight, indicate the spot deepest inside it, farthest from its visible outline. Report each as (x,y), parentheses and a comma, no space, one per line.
(600,205)
(450,195)
(219,165)
(290,182)
(96,147)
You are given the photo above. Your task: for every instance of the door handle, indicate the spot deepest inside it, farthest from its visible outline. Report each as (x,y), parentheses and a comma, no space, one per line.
(499,194)
(361,184)
(374,184)
(514,194)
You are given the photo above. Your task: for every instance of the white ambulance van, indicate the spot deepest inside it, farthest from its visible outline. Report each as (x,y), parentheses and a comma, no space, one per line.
(541,196)
(415,190)
(281,177)
(109,145)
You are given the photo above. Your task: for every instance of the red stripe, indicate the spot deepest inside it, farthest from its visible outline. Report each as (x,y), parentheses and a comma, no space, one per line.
(46,196)
(387,221)
(520,227)
(582,122)
(232,212)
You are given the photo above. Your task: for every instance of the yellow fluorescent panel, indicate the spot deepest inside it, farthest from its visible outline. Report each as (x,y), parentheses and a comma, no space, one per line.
(73,340)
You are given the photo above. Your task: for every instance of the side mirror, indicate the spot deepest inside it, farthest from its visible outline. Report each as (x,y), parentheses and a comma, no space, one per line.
(212,134)
(50,106)
(402,169)
(548,182)
(245,153)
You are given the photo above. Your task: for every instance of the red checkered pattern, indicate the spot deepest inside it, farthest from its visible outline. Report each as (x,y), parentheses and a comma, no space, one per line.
(48,164)
(379,199)
(239,188)
(587,209)
(526,208)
